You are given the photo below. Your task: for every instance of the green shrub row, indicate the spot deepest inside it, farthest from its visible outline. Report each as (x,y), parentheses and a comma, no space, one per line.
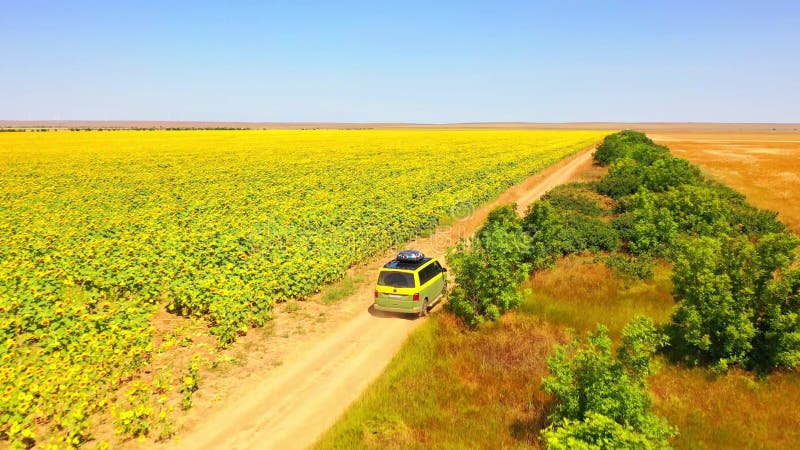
(600,398)
(735,277)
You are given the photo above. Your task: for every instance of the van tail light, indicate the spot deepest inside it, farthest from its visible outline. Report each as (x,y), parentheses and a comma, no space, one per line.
(416,297)
(376,294)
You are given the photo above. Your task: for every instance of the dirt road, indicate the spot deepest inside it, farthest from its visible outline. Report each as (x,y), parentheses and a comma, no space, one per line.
(290,407)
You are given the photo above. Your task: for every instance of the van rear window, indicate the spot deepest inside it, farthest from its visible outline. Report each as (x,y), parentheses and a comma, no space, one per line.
(396,279)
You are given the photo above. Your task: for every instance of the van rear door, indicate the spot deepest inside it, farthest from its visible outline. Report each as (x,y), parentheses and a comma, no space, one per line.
(396,289)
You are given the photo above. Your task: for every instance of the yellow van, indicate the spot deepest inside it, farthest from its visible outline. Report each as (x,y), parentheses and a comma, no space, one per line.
(410,283)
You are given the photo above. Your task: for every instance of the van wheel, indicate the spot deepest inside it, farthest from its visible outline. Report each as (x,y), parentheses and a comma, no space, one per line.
(424,310)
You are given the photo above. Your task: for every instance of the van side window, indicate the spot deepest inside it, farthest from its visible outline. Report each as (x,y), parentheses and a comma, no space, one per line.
(429,272)
(425,274)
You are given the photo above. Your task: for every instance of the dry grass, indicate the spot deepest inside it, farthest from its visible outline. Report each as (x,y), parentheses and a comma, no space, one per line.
(764,167)
(733,411)
(580,293)
(449,388)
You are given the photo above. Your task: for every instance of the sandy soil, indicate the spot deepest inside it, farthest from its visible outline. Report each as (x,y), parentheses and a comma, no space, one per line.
(289,395)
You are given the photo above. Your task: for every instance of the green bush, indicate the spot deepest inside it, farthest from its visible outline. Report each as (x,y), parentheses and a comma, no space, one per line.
(581,233)
(556,232)
(640,341)
(737,302)
(669,172)
(737,215)
(597,432)
(700,210)
(592,388)
(626,176)
(576,197)
(542,225)
(650,222)
(616,146)
(754,221)
(634,267)
(647,154)
(648,227)
(489,269)
(778,341)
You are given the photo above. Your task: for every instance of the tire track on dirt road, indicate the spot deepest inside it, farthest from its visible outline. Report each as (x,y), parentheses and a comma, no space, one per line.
(295,403)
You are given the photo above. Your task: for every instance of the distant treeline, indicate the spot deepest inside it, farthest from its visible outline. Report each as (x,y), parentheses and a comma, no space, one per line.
(21,130)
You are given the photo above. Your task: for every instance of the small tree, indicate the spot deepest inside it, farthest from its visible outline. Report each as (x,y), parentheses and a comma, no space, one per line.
(489,269)
(625,177)
(559,232)
(647,153)
(778,342)
(699,210)
(738,302)
(714,319)
(542,226)
(618,145)
(648,227)
(669,172)
(594,390)
(597,432)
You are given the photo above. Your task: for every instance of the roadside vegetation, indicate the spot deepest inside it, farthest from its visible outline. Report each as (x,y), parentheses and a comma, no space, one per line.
(489,268)
(734,276)
(652,236)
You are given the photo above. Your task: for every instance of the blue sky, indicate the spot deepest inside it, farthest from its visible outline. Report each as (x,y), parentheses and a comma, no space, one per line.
(404,61)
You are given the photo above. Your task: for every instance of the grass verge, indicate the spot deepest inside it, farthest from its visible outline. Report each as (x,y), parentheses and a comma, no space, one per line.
(449,388)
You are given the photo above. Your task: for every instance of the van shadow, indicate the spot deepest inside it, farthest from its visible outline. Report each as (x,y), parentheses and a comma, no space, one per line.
(390,315)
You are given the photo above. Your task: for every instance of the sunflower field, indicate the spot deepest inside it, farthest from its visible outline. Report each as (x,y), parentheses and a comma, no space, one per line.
(98,230)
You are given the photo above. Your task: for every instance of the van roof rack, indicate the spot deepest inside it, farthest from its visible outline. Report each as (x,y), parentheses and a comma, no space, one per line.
(410,256)
(402,265)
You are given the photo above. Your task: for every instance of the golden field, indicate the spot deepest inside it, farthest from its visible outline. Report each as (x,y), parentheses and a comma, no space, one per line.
(763,166)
